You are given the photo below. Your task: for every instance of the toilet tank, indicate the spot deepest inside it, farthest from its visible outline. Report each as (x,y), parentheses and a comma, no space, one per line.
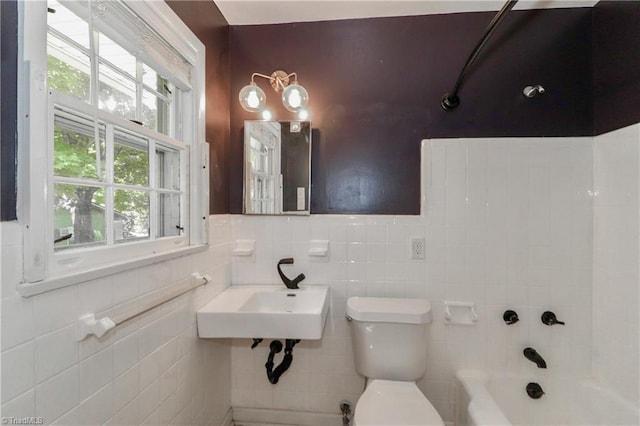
(389,336)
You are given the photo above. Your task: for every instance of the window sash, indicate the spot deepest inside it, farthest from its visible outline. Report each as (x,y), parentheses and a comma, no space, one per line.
(120,22)
(76,106)
(129,135)
(103,72)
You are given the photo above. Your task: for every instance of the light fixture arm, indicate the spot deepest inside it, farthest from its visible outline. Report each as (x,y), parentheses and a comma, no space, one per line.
(295,77)
(278,80)
(257,74)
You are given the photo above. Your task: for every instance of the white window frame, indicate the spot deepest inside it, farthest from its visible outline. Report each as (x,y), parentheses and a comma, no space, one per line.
(44,270)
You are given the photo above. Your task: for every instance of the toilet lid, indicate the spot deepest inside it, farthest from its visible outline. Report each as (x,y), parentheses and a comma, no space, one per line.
(387,403)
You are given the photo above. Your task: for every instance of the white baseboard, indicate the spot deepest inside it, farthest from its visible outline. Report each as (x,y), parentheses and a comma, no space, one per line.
(243,416)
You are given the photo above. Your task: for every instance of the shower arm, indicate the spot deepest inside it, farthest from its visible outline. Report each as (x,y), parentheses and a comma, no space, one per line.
(450,101)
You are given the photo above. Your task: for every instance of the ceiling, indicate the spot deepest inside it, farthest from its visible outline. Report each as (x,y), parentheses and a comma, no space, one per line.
(252,12)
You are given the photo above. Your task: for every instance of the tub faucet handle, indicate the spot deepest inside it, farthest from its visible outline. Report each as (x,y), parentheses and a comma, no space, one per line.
(549,318)
(534,390)
(510,317)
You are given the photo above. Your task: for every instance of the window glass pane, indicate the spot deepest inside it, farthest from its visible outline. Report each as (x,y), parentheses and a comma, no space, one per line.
(117,56)
(68,69)
(165,118)
(150,77)
(66,22)
(156,113)
(131,215)
(166,107)
(79,212)
(155,81)
(116,93)
(167,168)
(150,110)
(76,152)
(168,215)
(130,159)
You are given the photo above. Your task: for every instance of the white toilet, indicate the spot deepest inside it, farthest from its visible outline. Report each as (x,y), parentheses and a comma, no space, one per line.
(389,344)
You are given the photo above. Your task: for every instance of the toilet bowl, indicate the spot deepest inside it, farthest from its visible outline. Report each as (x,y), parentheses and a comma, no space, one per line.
(389,337)
(389,402)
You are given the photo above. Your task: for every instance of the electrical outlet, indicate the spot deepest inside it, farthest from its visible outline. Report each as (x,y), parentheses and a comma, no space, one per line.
(417,248)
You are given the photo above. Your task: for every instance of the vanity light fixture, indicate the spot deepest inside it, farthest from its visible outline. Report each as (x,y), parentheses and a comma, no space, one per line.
(294,97)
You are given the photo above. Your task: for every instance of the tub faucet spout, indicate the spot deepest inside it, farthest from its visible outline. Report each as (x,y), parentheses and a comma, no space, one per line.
(533,356)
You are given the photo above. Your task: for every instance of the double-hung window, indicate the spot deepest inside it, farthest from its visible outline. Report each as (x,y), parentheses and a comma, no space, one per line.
(114,170)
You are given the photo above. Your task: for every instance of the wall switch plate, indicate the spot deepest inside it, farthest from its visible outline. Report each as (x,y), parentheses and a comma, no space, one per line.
(417,248)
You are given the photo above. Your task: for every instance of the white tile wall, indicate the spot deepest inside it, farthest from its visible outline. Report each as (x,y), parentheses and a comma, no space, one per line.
(508,224)
(151,370)
(616,323)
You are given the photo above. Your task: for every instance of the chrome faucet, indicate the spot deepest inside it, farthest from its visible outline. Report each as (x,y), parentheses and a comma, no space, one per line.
(292,284)
(534,357)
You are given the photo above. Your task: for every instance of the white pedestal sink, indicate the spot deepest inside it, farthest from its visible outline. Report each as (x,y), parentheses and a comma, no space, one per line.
(266,311)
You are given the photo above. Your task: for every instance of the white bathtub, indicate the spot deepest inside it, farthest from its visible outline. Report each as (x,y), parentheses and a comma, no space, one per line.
(492,400)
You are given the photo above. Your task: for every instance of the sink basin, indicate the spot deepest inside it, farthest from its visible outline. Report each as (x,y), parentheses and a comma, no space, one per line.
(266,311)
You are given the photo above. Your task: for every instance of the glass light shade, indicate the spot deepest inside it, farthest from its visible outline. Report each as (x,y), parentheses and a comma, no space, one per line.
(252,98)
(295,97)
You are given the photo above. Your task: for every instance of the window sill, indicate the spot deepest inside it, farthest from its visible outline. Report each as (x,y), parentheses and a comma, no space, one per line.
(31,289)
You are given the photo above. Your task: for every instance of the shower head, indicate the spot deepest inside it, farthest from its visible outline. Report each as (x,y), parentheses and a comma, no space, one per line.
(531,91)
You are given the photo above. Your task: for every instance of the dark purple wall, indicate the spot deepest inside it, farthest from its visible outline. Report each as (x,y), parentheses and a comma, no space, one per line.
(375,87)
(8,107)
(616,64)
(208,24)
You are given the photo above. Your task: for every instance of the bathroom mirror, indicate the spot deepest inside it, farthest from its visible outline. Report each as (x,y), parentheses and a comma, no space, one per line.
(277,167)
